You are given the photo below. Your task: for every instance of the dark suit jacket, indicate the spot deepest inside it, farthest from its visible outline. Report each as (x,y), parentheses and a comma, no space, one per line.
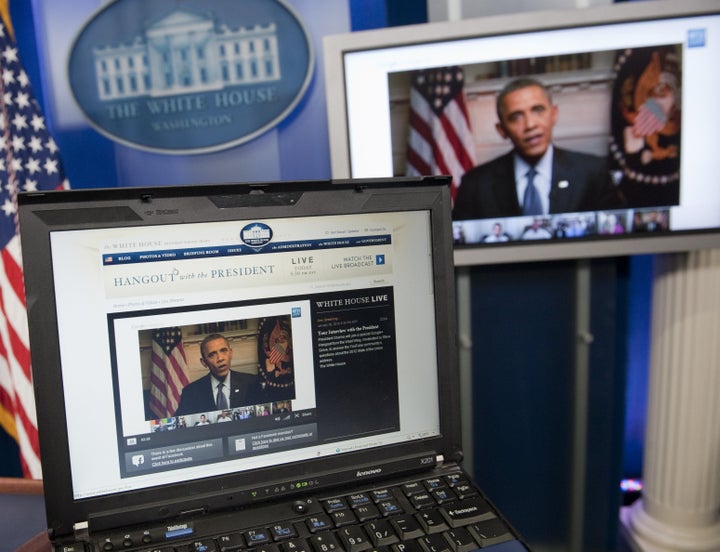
(198,396)
(488,190)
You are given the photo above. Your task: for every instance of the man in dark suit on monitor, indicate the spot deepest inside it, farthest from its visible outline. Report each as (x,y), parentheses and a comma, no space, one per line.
(222,388)
(536,177)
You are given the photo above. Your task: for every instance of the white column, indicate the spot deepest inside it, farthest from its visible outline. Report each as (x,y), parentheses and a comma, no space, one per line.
(680,506)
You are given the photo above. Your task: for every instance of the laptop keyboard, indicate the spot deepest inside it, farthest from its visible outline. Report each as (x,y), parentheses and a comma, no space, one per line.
(438,514)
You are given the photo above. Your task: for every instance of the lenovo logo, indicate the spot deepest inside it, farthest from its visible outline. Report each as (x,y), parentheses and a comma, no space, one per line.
(365,473)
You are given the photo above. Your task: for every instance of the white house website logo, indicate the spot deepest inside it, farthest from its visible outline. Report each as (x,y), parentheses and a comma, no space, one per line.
(256,235)
(191,76)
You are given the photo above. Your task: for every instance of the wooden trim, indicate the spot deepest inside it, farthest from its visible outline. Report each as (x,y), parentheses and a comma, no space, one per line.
(18,485)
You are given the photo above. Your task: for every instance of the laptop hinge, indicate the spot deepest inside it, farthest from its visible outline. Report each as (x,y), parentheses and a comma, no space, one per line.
(81,530)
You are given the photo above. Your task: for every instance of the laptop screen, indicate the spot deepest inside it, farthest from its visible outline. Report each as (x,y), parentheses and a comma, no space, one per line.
(306,306)
(320,324)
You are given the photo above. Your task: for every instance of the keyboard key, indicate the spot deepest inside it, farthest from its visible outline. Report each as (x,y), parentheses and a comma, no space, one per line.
(343,518)
(381,532)
(408,546)
(421,501)
(381,494)
(413,488)
(464,490)
(335,504)
(389,507)
(354,539)
(443,495)
(282,531)
(296,545)
(435,543)
(207,545)
(407,527)
(318,523)
(231,543)
(455,479)
(461,540)
(257,537)
(359,499)
(432,521)
(467,511)
(272,547)
(492,531)
(435,483)
(366,513)
(327,542)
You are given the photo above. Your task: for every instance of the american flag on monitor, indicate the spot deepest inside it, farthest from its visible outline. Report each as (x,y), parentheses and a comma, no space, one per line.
(168,372)
(28,161)
(440,139)
(650,118)
(276,353)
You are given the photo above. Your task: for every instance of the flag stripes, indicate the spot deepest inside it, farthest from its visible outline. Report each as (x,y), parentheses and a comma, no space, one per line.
(440,139)
(168,374)
(17,400)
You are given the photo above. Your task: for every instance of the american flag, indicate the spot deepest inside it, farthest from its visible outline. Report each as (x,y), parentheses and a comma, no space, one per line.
(168,374)
(440,140)
(650,118)
(28,161)
(276,353)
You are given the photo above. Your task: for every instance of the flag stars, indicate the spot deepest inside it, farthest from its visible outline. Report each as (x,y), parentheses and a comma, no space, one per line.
(18,143)
(30,185)
(20,122)
(10,54)
(38,122)
(8,208)
(35,144)
(8,76)
(51,166)
(22,100)
(33,165)
(23,79)
(51,146)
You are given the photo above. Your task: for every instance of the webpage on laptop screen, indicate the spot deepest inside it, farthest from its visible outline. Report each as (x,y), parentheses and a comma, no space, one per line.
(320,330)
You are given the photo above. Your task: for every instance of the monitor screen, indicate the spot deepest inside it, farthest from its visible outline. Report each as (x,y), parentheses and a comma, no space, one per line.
(611,107)
(166,306)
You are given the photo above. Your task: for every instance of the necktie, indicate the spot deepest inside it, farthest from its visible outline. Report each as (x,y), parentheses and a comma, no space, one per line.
(531,199)
(221,401)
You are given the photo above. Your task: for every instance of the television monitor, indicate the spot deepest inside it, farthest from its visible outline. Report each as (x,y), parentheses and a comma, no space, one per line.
(634,84)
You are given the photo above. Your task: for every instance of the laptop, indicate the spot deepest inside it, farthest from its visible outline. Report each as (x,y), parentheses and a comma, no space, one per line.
(327,311)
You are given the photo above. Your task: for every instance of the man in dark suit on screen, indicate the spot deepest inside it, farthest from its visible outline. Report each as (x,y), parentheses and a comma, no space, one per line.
(536,177)
(222,388)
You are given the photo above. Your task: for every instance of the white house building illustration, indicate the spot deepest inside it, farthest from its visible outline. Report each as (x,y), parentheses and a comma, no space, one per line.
(185,52)
(256,233)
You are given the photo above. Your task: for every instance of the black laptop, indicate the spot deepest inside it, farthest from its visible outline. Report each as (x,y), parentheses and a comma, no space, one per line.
(327,312)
